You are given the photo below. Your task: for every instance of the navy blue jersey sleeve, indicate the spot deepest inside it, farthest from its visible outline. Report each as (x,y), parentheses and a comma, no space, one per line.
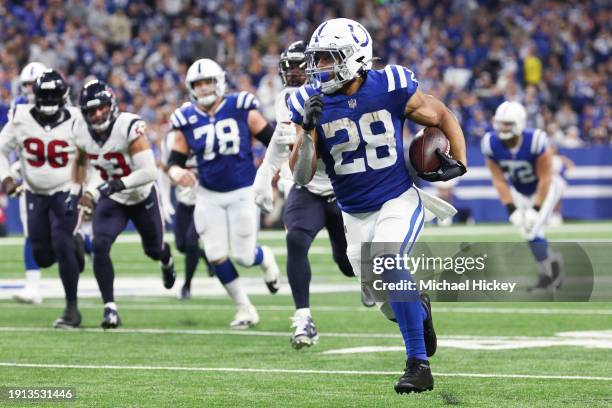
(539,143)
(178,120)
(246,100)
(485,145)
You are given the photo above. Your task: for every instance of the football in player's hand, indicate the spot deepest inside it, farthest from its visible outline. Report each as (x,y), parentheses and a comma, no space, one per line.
(423,149)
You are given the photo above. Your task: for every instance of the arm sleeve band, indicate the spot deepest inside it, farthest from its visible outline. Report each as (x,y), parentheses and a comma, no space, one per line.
(177,159)
(265,135)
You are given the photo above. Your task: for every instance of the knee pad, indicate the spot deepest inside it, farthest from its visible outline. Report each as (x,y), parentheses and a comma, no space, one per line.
(298,240)
(244,259)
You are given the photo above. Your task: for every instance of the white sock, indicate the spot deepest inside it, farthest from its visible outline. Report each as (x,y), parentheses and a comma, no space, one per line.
(303,312)
(33,279)
(237,292)
(111,305)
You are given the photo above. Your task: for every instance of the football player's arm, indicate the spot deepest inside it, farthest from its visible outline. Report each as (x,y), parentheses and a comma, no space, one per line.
(177,160)
(427,110)
(303,158)
(8,143)
(144,163)
(259,127)
(544,172)
(499,182)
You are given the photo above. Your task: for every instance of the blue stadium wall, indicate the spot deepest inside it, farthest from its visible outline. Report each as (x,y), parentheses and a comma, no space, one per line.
(587,197)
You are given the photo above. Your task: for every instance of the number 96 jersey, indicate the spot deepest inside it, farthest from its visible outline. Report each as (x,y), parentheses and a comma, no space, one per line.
(46,152)
(220,141)
(360,138)
(111,157)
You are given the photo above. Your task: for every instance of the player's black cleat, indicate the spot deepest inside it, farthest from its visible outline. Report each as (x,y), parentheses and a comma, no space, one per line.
(168,274)
(556,267)
(111,319)
(71,319)
(185,293)
(417,377)
(544,283)
(431,341)
(79,250)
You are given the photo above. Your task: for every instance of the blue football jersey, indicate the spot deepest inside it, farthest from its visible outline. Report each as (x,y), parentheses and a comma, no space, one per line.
(360,138)
(221,141)
(519,164)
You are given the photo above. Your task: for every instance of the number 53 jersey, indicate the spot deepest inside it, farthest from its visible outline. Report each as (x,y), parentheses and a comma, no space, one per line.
(360,138)
(46,152)
(111,157)
(220,141)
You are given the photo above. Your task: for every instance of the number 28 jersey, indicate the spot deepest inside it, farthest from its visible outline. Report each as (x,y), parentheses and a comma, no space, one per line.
(221,141)
(518,164)
(111,158)
(360,138)
(46,152)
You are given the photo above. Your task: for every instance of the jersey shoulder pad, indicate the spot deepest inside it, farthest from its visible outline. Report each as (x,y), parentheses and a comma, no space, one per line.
(297,100)
(132,125)
(178,118)
(485,144)
(243,100)
(397,77)
(20,114)
(539,141)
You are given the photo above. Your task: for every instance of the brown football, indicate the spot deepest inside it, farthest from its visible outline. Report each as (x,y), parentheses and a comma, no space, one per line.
(423,149)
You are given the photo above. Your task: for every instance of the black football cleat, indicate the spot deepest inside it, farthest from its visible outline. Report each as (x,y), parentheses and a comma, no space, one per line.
(168,274)
(544,283)
(417,377)
(111,319)
(71,319)
(185,293)
(431,341)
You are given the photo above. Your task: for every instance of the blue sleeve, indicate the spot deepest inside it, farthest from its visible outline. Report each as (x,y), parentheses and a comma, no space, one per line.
(401,85)
(296,102)
(246,100)
(539,142)
(485,145)
(178,120)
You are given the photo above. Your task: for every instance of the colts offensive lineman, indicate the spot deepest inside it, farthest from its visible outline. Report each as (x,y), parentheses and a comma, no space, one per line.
(218,129)
(43,134)
(122,189)
(308,209)
(31,291)
(352,118)
(524,156)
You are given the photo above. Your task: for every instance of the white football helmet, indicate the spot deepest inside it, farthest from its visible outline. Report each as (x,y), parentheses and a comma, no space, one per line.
(203,69)
(347,45)
(28,76)
(507,113)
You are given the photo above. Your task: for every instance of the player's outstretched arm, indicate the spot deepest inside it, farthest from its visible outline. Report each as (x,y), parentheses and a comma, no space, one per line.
(303,159)
(427,110)
(7,144)
(176,162)
(544,172)
(259,127)
(499,182)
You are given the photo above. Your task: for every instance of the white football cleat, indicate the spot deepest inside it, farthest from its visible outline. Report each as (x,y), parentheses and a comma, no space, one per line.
(245,317)
(29,296)
(270,270)
(305,333)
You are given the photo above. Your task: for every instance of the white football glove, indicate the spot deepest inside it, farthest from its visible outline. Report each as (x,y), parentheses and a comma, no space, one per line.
(182,177)
(284,134)
(516,218)
(262,188)
(529,221)
(168,211)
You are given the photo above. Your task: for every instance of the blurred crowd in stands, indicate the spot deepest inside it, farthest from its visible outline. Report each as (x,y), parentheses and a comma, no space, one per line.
(553,56)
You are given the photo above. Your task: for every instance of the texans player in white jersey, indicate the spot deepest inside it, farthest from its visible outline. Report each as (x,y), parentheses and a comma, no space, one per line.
(185,235)
(219,130)
(121,188)
(30,294)
(43,135)
(352,118)
(521,165)
(308,209)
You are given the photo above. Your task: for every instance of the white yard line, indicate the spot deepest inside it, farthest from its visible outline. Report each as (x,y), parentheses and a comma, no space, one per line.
(291,371)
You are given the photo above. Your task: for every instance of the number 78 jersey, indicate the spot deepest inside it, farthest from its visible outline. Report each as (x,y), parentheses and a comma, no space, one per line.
(360,138)
(221,141)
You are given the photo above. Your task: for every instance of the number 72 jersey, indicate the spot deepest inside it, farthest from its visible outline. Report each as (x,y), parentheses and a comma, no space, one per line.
(221,141)
(46,152)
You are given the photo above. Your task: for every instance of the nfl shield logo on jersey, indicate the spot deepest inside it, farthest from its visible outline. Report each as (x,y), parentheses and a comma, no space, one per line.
(352,103)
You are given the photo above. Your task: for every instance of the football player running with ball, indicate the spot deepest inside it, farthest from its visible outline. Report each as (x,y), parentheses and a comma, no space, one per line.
(534,190)
(43,134)
(120,189)
(218,129)
(352,118)
(309,208)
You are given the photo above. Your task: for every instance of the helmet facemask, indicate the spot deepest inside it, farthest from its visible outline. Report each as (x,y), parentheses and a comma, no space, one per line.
(49,102)
(206,94)
(335,73)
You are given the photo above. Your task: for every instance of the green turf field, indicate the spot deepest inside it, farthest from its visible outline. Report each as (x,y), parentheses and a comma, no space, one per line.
(172,353)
